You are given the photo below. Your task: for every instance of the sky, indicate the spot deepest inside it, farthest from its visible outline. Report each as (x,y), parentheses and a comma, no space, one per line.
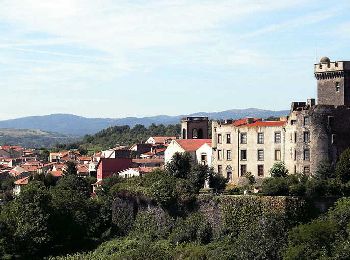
(118,58)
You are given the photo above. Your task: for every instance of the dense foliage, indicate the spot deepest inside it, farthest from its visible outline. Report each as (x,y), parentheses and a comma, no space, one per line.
(125,135)
(162,216)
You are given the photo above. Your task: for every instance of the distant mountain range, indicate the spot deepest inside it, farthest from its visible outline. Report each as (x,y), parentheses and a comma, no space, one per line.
(76,126)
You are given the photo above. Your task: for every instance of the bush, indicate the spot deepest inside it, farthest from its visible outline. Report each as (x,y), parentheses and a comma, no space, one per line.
(275,187)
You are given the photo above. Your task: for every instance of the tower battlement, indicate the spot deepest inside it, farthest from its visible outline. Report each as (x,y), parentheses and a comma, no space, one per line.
(333,82)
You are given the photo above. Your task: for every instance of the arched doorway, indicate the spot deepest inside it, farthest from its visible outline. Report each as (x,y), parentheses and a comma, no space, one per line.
(184,133)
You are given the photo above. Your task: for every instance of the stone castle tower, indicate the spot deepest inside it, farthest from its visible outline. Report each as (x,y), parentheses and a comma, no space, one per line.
(333,82)
(194,128)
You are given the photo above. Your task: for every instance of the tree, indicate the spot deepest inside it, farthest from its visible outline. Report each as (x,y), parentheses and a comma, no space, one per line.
(71,168)
(198,175)
(217,182)
(343,167)
(27,221)
(278,170)
(324,171)
(179,165)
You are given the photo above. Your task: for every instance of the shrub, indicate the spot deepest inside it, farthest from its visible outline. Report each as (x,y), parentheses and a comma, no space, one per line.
(275,187)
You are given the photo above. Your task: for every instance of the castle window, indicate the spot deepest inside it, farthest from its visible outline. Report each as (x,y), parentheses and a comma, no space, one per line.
(219,155)
(306,169)
(334,138)
(277,155)
(243,155)
(219,138)
(260,155)
(337,87)
(243,138)
(295,137)
(306,155)
(306,137)
(229,157)
(260,170)
(330,121)
(243,169)
(277,137)
(260,138)
(306,120)
(295,154)
(219,169)
(293,122)
(194,133)
(228,138)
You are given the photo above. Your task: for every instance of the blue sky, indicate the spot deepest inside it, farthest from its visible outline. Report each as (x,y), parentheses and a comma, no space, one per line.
(114,58)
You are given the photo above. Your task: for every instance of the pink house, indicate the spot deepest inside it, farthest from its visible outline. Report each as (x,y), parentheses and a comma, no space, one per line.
(107,166)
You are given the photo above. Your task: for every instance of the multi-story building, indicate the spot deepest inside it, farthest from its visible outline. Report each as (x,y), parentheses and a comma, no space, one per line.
(311,134)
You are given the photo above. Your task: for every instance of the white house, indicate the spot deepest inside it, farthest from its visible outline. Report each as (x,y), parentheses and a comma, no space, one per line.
(200,149)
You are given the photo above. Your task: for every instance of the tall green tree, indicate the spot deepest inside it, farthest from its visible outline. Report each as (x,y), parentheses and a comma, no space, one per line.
(342,170)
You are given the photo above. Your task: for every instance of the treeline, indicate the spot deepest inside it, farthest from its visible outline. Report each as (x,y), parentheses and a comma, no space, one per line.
(122,135)
(58,216)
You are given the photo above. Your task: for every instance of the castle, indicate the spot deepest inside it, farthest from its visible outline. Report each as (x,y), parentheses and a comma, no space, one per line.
(312,133)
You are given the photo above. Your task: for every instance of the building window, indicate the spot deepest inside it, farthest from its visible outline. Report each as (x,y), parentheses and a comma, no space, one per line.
(334,138)
(219,155)
(260,155)
(306,169)
(306,155)
(260,138)
(219,169)
(337,87)
(204,158)
(277,155)
(306,137)
(295,137)
(243,155)
(194,133)
(228,138)
(306,120)
(277,137)
(243,138)
(260,170)
(219,138)
(293,122)
(330,121)
(243,169)
(295,154)
(228,155)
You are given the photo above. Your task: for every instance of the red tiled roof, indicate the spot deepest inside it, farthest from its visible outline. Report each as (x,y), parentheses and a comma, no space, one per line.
(162,139)
(82,168)
(268,123)
(23,181)
(256,122)
(155,160)
(56,173)
(191,145)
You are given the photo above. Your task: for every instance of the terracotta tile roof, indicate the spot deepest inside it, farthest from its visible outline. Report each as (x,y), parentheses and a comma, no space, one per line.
(190,145)
(23,181)
(267,123)
(56,173)
(82,168)
(162,139)
(84,158)
(256,122)
(155,160)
